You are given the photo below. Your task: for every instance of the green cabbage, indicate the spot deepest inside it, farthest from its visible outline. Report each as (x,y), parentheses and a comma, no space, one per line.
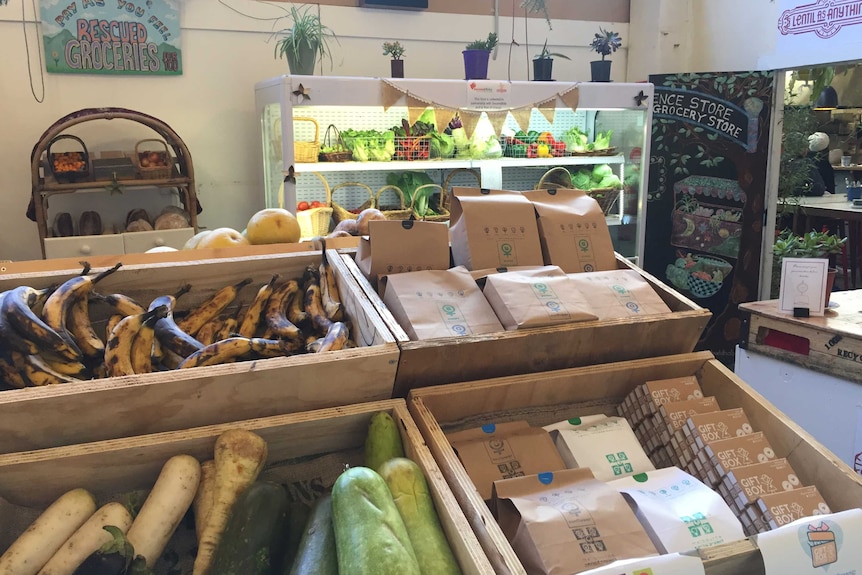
(601,171)
(581,180)
(611,181)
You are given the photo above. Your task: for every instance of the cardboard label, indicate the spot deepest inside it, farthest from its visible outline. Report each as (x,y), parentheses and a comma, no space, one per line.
(394,247)
(493,228)
(814,545)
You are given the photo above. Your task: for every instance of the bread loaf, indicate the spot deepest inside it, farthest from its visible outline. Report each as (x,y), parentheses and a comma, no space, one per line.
(170,221)
(139,226)
(90,224)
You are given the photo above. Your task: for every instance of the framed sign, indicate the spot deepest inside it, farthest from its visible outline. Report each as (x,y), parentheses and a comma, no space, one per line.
(411,4)
(112,37)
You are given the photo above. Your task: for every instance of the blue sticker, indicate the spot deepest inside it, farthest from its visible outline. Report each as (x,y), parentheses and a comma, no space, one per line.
(489,428)
(546,478)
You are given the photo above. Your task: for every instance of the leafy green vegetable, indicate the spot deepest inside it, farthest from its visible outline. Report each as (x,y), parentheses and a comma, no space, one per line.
(369,145)
(575,139)
(408,182)
(582,179)
(442,145)
(603,140)
(612,181)
(601,171)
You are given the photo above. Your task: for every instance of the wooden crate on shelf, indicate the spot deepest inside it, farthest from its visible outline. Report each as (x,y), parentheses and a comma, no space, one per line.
(548,397)
(310,448)
(36,418)
(447,360)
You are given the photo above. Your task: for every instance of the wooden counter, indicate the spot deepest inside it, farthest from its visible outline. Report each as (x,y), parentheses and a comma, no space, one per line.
(830,344)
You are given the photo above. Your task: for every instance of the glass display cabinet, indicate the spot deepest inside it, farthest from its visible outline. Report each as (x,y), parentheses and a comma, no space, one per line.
(512,134)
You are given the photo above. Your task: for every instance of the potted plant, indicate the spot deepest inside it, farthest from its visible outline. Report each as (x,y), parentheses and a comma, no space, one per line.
(395,50)
(605,43)
(814,244)
(304,41)
(543,64)
(476,56)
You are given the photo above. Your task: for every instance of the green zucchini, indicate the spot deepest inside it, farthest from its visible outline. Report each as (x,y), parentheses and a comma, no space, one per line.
(317,554)
(297,518)
(410,492)
(251,541)
(383,441)
(370,536)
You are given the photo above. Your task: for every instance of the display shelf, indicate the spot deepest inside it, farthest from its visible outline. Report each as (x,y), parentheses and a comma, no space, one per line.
(455,164)
(44,185)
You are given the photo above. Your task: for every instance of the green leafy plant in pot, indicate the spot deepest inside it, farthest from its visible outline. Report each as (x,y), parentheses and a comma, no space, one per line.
(476,56)
(605,43)
(813,244)
(543,64)
(395,50)
(305,41)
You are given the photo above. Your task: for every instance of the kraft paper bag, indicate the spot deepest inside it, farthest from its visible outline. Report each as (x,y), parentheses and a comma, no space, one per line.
(394,247)
(536,298)
(438,303)
(619,293)
(608,448)
(573,231)
(493,228)
(514,449)
(567,522)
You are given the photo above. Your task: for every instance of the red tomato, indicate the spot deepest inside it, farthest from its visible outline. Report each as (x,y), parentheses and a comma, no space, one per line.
(558,148)
(316,204)
(301,206)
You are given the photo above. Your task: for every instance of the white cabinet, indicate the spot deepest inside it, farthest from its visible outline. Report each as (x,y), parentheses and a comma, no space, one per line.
(375,103)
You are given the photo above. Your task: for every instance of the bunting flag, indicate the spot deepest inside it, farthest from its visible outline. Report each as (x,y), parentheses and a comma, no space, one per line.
(571,98)
(390,95)
(548,108)
(442,117)
(522,117)
(415,108)
(469,119)
(497,120)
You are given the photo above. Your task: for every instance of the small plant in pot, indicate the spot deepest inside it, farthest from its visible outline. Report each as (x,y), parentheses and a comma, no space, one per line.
(814,244)
(605,43)
(543,64)
(395,50)
(304,42)
(476,56)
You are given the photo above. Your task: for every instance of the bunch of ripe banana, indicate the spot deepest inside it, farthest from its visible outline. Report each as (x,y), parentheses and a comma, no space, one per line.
(47,336)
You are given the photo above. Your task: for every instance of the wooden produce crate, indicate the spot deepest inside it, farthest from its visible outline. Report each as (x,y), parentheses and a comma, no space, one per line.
(308,450)
(554,396)
(446,360)
(830,344)
(49,416)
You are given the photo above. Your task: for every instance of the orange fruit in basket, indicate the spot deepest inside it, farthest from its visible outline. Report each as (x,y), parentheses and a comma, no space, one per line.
(273,226)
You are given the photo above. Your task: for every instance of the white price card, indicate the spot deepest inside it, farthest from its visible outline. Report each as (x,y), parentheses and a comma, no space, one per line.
(670,564)
(822,544)
(803,284)
(488,95)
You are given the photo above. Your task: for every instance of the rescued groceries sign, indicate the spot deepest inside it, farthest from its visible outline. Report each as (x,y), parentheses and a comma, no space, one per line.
(819,32)
(112,36)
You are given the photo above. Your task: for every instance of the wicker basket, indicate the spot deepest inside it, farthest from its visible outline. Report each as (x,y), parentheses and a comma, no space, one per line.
(442,207)
(163,156)
(339,213)
(554,173)
(306,152)
(82,156)
(332,139)
(606,197)
(316,221)
(400,212)
(428,217)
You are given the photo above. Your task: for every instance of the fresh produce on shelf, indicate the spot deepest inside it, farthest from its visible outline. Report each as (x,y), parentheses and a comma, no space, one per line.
(600,177)
(47,347)
(579,142)
(410,183)
(370,145)
(69,162)
(383,441)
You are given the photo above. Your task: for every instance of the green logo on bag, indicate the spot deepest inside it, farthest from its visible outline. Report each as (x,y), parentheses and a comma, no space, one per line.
(506,249)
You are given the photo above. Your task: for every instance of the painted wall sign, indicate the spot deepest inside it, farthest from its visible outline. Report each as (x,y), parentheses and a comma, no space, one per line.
(112,36)
(824,17)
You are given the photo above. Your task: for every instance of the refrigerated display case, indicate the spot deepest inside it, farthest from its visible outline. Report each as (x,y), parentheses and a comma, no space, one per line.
(296,111)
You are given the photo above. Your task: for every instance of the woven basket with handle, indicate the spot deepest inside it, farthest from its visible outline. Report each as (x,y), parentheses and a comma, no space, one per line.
(426,216)
(332,139)
(316,221)
(555,177)
(398,212)
(340,213)
(306,152)
(442,207)
(151,172)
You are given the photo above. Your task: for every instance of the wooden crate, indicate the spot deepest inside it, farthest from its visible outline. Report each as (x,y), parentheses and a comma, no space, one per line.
(548,397)
(451,359)
(830,344)
(36,478)
(36,418)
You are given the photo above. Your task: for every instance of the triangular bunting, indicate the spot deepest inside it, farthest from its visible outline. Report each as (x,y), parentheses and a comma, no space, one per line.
(390,95)
(469,120)
(413,114)
(522,117)
(571,98)
(442,117)
(548,109)
(497,120)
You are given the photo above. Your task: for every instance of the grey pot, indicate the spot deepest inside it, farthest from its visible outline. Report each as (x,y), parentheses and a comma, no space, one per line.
(301,62)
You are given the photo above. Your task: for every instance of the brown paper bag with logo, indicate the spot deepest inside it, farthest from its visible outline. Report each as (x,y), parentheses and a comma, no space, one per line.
(513,449)
(536,298)
(393,247)
(567,522)
(619,293)
(493,228)
(573,231)
(438,303)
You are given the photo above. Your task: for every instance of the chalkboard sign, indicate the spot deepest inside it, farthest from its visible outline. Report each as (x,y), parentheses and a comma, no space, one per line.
(706,190)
